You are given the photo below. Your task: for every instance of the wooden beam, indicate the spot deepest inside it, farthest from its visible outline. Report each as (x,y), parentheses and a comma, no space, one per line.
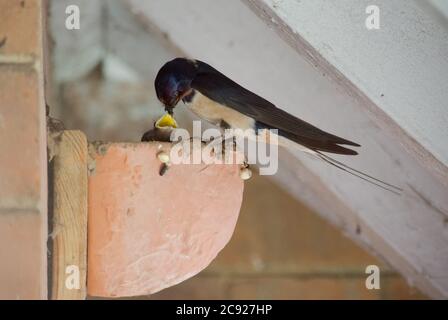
(69,223)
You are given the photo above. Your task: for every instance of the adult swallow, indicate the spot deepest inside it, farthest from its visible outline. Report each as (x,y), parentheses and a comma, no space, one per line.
(217,99)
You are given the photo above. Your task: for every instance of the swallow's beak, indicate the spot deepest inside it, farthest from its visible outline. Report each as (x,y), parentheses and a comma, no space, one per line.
(169,106)
(170,110)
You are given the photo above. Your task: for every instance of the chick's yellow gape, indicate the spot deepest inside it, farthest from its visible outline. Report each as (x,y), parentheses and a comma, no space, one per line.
(166,121)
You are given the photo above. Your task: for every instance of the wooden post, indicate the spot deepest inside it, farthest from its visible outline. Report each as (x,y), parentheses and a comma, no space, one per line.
(69,220)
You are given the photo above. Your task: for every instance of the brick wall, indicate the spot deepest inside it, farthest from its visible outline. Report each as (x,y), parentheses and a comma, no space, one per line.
(23,163)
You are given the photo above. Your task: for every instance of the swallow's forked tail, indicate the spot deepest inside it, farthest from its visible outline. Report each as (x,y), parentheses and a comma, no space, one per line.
(359,174)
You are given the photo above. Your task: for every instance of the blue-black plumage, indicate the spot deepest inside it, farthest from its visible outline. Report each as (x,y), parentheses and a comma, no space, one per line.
(218,99)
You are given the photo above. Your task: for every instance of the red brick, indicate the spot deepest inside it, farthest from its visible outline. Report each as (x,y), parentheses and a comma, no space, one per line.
(22,255)
(22,139)
(20,24)
(23,163)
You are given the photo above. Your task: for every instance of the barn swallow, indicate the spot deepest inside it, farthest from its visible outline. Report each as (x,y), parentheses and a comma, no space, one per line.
(219,100)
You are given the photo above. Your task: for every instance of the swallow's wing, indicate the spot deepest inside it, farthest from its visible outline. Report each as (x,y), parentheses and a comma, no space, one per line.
(225,91)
